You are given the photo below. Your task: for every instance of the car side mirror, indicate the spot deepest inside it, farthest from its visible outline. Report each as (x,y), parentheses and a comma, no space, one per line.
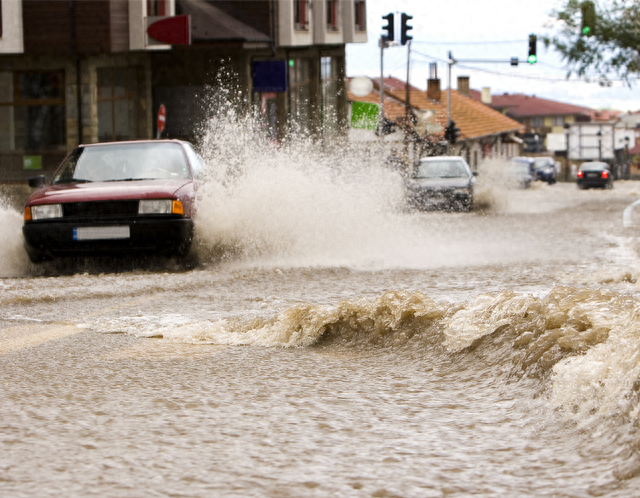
(37,181)
(474,173)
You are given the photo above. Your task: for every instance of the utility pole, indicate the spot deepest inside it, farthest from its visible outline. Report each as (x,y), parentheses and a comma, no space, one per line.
(452,61)
(407,93)
(381,114)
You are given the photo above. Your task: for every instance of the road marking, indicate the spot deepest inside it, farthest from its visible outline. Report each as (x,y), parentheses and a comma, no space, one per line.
(50,333)
(26,336)
(626,214)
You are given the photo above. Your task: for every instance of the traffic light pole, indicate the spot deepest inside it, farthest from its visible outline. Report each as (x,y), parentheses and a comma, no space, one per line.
(513,61)
(381,113)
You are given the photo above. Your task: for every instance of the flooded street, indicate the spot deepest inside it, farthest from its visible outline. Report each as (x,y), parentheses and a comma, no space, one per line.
(346,353)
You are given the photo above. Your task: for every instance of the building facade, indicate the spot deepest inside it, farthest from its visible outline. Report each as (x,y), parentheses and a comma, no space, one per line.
(83,71)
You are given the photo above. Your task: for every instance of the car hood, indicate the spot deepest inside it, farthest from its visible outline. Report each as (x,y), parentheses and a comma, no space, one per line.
(102,191)
(436,183)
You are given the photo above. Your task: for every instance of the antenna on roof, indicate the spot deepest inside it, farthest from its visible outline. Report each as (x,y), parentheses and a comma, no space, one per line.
(433,70)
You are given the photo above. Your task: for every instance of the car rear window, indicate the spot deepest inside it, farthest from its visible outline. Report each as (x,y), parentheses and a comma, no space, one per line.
(118,162)
(593,166)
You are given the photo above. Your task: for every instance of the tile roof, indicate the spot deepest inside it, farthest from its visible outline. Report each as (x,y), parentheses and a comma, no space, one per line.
(391,83)
(474,119)
(520,106)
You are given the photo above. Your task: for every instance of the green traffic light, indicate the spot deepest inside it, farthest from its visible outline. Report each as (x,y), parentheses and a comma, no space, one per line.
(532,59)
(586,31)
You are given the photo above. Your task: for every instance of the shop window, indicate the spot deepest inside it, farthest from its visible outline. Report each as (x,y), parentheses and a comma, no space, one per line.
(119,114)
(332,15)
(300,94)
(32,111)
(329,78)
(360,15)
(301,14)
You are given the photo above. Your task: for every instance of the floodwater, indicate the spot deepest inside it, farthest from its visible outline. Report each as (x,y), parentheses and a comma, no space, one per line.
(330,343)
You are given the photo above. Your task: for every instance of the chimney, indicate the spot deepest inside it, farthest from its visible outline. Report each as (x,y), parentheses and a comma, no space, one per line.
(433,89)
(463,85)
(485,96)
(433,83)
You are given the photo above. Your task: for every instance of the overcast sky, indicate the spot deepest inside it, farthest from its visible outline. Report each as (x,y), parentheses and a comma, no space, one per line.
(484,29)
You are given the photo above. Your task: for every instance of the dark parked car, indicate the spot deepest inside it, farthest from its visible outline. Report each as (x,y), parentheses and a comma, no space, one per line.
(518,174)
(117,198)
(545,170)
(443,182)
(594,174)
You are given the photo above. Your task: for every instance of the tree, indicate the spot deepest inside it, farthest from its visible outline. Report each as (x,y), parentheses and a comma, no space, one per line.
(612,46)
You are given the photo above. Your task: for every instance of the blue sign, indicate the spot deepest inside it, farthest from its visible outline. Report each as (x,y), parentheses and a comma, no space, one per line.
(270,76)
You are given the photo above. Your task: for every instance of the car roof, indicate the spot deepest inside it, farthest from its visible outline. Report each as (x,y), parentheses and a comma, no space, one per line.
(441,158)
(126,142)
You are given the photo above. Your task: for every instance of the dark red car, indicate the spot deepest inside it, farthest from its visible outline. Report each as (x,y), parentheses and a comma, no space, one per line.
(116,198)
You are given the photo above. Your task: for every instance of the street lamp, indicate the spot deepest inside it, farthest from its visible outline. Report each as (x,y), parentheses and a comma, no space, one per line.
(625,172)
(599,134)
(567,128)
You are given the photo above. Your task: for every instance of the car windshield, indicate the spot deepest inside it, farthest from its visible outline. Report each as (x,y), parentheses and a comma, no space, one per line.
(518,168)
(124,162)
(593,166)
(542,163)
(441,169)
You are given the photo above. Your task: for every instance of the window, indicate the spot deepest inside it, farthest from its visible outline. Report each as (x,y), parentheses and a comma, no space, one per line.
(537,122)
(119,114)
(157,8)
(332,15)
(300,93)
(301,14)
(360,15)
(32,111)
(558,121)
(329,78)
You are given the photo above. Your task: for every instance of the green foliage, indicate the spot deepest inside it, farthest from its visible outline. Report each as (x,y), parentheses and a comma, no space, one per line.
(613,46)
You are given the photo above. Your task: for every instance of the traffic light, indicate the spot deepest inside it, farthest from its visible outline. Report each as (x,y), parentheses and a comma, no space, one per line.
(404,37)
(588,17)
(388,28)
(533,42)
(451,132)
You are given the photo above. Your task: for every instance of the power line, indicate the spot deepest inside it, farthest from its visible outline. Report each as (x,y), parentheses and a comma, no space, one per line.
(501,42)
(522,76)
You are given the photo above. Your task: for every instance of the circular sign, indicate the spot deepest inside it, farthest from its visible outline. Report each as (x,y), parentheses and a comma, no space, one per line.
(360,86)
(162,118)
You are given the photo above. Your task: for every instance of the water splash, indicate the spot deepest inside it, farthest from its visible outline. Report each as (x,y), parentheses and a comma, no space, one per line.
(302,201)
(13,259)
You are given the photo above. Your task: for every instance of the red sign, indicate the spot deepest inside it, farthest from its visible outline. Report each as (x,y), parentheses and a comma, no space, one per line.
(162,118)
(174,30)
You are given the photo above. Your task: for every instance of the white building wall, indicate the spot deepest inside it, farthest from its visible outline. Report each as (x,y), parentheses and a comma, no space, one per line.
(12,41)
(349,24)
(288,35)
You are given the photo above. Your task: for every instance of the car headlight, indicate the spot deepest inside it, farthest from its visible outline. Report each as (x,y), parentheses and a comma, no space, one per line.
(45,211)
(160,206)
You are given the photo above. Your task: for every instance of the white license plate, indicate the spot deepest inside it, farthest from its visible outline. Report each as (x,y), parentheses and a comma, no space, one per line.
(101,233)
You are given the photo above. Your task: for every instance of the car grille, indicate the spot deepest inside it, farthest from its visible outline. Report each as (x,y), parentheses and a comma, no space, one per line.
(100,209)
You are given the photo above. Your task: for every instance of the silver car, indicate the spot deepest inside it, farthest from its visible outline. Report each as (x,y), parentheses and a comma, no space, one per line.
(441,182)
